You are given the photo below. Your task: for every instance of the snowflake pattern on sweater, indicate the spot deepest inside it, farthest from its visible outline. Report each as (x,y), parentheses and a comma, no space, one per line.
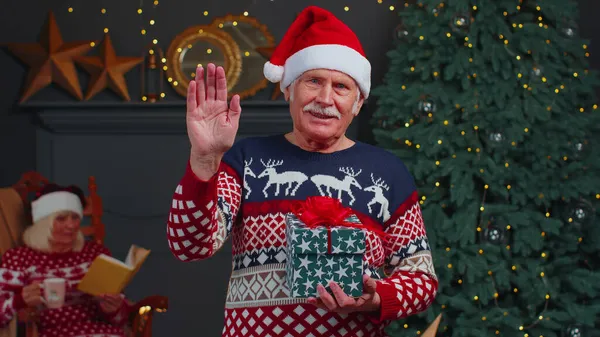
(80,316)
(246,201)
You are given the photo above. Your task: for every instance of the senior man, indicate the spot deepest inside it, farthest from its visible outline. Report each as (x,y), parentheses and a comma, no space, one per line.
(244,190)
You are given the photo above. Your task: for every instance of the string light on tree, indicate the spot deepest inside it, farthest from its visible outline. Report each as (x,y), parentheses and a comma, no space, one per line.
(498,145)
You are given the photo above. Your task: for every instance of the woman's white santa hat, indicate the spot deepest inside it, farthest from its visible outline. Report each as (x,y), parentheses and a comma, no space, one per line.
(50,203)
(51,200)
(318,40)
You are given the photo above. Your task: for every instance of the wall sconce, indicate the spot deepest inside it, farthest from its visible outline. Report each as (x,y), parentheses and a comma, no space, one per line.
(152,74)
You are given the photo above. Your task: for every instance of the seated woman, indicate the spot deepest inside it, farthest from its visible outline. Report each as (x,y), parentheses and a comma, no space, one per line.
(54,247)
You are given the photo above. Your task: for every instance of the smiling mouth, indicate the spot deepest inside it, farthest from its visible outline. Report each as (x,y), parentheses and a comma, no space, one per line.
(320,115)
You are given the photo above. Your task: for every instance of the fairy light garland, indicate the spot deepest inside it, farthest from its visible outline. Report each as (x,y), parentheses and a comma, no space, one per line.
(147,23)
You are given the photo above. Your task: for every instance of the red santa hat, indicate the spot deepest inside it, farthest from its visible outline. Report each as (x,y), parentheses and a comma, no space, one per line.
(318,40)
(54,198)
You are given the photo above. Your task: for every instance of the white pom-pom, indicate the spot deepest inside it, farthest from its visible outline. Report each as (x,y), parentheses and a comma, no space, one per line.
(272,72)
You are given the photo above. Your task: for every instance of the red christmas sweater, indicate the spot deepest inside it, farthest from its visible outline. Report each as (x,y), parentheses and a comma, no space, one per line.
(247,200)
(80,316)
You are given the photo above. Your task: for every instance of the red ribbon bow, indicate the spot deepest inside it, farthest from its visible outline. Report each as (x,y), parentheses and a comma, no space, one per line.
(328,212)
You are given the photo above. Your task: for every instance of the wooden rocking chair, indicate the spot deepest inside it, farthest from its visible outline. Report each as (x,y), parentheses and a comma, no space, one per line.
(16,216)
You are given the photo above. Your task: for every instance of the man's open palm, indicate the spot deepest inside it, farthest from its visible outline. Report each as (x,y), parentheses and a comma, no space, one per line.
(211,123)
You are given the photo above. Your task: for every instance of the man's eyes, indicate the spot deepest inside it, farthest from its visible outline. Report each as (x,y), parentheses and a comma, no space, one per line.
(337,85)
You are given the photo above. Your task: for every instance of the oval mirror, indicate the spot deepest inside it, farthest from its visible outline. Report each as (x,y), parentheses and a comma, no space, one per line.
(250,35)
(200,45)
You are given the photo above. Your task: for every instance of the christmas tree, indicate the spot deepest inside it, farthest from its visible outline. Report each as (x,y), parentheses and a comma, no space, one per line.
(491,105)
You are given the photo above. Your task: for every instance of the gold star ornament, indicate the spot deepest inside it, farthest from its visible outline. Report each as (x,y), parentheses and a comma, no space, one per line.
(107,70)
(50,60)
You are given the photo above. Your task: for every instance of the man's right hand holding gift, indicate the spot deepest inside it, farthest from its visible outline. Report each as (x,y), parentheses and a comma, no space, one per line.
(328,212)
(369,301)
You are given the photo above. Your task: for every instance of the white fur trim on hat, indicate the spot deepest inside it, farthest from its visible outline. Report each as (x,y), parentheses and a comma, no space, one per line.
(54,202)
(273,72)
(329,56)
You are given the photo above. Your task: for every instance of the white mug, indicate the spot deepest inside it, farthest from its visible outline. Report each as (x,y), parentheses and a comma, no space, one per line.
(54,292)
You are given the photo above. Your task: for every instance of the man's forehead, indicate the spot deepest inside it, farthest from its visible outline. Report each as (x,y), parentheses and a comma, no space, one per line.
(328,73)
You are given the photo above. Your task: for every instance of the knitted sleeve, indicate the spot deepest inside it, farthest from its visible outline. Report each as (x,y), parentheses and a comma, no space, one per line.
(203,213)
(12,281)
(411,284)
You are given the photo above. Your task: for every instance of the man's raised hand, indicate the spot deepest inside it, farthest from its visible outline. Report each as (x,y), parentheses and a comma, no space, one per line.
(212,124)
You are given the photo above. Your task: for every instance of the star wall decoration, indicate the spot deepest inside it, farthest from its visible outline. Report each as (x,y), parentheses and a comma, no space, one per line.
(50,60)
(266,52)
(107,70)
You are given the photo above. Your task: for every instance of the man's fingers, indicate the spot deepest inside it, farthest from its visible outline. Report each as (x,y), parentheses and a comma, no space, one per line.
(221,84)
(370,284)
(327,300)
(314,301)
(317,303)
(234,110)
(191,97)
(234,105)
(210,82)
(342,299)
(363,299)
(200,87)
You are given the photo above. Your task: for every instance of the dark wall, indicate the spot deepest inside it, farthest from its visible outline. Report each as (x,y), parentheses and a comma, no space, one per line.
(138,151)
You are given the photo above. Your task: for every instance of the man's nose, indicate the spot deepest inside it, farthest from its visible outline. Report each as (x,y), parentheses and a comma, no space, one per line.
(325,96)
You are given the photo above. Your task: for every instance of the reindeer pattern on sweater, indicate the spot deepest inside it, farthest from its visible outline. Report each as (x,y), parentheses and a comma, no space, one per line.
(275,181)
(246,202)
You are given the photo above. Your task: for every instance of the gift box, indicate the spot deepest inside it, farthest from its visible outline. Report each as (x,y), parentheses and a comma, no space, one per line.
(318,254)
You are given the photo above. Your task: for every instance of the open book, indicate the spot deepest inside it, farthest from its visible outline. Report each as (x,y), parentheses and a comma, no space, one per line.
(108,275)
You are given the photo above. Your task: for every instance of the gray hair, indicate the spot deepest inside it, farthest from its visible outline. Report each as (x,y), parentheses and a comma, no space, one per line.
(37,236)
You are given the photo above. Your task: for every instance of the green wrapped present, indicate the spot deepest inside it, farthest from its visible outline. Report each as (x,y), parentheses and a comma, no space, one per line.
(318,254)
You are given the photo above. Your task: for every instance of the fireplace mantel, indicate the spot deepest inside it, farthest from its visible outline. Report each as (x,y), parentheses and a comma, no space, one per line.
(166,117)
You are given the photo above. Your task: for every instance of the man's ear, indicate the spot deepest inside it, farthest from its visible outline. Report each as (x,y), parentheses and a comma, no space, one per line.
(286,94)
(358,105)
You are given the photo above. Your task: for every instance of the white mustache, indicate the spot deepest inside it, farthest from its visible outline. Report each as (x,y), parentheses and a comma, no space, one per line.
(327,111)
